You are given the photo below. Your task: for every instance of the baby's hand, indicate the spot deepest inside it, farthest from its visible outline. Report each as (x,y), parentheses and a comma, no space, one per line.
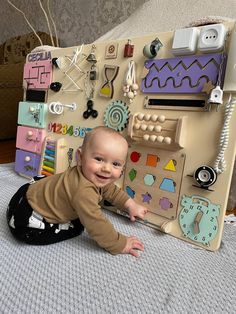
(135,210)
(132,245)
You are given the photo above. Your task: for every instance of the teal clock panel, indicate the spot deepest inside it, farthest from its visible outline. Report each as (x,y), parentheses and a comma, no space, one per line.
(32,114)
(198,219)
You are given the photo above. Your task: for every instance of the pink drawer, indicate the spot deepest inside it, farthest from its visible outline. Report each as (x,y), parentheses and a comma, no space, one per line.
(30,139)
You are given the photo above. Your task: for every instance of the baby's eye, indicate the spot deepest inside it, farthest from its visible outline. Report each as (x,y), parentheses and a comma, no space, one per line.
(98,158)
(116,164)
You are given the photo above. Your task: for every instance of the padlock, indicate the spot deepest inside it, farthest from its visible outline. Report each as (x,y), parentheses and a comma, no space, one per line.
(129,49)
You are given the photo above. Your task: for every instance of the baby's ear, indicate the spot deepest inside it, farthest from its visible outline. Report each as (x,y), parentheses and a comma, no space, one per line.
(122,172)
(78,156)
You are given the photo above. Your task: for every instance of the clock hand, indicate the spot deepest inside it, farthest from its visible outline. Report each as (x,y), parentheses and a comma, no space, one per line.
(196,222)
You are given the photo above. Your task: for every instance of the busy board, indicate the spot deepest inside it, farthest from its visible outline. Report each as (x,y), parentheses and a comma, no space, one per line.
(170,94)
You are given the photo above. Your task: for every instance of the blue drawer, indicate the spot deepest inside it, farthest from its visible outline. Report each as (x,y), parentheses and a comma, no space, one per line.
(32,114)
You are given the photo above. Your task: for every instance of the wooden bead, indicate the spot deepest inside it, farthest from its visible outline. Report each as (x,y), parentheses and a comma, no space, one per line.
(134,86)
(150,127)
(143,127)
(146,137)
(129,82)
(130,95)
(154,117)
(158,128)
(160,139)
(161,118)
(147,117)
(137,126)
(153,138)
(140,116)
(167,140)
(125,89)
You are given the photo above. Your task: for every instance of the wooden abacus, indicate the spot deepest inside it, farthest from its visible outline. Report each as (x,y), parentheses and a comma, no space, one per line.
(168,133)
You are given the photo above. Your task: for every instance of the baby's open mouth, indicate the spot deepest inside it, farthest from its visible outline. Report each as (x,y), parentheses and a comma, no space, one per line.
(102,177)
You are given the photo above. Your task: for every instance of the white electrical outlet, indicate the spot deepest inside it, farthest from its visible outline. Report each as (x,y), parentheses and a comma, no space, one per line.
(212,38)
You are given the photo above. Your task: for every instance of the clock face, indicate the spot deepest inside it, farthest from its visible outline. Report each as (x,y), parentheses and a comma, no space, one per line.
(198,219)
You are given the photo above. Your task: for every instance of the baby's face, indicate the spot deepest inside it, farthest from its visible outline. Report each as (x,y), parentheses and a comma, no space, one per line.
(103,161)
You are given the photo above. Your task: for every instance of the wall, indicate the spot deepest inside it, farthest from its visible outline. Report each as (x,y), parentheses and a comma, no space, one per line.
(164,15)
(83,21)
(77,21)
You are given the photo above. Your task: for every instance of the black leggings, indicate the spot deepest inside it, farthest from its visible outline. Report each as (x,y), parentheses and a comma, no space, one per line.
(19,211)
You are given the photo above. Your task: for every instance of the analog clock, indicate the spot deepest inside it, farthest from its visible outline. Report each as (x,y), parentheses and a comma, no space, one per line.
(198,219)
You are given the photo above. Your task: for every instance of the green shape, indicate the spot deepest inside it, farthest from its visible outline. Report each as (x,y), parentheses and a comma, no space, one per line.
(132,174)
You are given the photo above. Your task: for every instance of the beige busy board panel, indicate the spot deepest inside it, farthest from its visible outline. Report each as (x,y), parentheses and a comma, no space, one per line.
(170,94)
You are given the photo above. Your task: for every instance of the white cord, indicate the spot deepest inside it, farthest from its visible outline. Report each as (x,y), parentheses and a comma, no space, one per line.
(27,21)
(130,77)
(130,88)
(53,23)
(220,163)
(76,55)
(48,24)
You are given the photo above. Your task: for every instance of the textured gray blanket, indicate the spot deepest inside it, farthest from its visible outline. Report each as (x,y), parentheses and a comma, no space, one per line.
(76,276)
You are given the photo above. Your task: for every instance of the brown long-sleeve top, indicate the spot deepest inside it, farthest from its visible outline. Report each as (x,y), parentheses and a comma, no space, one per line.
(69,195)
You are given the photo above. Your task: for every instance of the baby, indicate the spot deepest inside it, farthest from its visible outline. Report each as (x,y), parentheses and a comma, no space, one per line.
(59,207)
